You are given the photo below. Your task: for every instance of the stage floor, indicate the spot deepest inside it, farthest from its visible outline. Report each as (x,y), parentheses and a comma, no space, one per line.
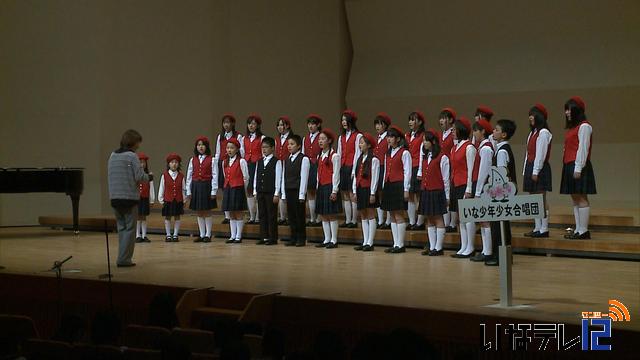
(557,289)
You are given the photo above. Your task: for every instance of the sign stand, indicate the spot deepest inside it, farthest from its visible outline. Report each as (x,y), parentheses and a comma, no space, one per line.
(506,293)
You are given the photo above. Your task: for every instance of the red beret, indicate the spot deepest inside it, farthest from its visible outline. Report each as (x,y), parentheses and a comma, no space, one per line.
(578,100)
(433,132)
(229,116)
(330,134)
(173,156)
(396,128)
(256,117)
(234,140)
(370,139)
(351,114)
(142,156)
(202,138)
(485,125)
(285,119)
(483,109)
(316,117)
(385,118)
(451,111)
(542,109)
(465,122)
(420,115)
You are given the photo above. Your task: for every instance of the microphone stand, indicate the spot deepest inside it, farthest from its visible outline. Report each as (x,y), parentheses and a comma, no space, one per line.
(108,275)
(57,267)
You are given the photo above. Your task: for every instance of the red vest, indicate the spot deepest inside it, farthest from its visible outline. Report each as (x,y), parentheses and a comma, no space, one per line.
(312,149)
(201,170)
(172,188)
(381,149)
(361,180)
(325,169)
(414,147)
(144,189)
(348,148)
(223,145)
(394,167)
(233,174)
(476,164)
(281,149)
(447,144)
(571,144)
(459,164)
(531,147)
(252,149)
(431,173)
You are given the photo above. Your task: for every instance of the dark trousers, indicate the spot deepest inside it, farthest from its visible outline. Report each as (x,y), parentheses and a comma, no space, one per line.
(496,239)
(297,216)
(268,216)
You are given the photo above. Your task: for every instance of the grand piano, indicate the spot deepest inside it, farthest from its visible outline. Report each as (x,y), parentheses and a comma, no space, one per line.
(60,180)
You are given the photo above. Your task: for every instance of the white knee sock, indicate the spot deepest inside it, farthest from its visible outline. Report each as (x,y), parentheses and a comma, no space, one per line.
(282,207)
(138,226)
(402,230)
(372,231)
(208,224)
(440,238)
(312,210)
(486,241)
(354,212)
(326,228)
(447,219)
(233,229)
(176,228)
(394,233)
(388,218)
(454,219)
(257,212)
(584,219)
(420,221)
(239,225)
(347,211)
(411,211)
(537,224)
(576,216)
(167,227)
(201,226)
(365,231)
(251,204)
(143,228)
(471,237)
(463,238)
(544,224)
(226,215)
(334,231)
(431,231)
(380,213)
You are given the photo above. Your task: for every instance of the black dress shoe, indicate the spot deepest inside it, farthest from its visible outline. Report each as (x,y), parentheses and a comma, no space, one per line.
(358,248)
(379,226)
(367,248)
(290,243)
(331,246)
(479,257)
(436,253)
(301,243)
(309,223)
(285,222)
(168,239)
(538,234)
(343,225)
(261,242)
(571,236)
(531,233)
(146,239)
(250,222)
(197,239)
(460,256)
(584,236)
(426,252)
(318,224)
(271,242)
(237,241)
(225,221)
(126,265)
(206,239)
(139,240)
(410,227)
(493,261)
(385,227)
(397,250)
(230,241)
(451,229)
(175,238)
(389,250)
(418,227)
(352,226)
(321,245)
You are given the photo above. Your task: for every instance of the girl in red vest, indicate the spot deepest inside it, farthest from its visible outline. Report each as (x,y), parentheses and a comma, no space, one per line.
(228,132)
(252,152)
(147,197)
(171,195)
(578,178)
(446,120)
(364,189)
(282,152)
(328,206)
(349,152)
(201,186)
(236,179)
(395,187)
(537,172)
(311,148)
(414,142)
(463,156)
(482,135)
(434,198)
(381,123)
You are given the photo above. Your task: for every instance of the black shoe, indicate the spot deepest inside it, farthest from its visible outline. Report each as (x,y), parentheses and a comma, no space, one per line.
(309,223)
(343,225)
(139,240)
(353,226)
(540,234)
(437,253)
(168,239)
(126,265)
(285,222)
(419,227)
(531,233)
(571,236)
(280,222)
(271,242)
(250,222)
(321,245)
(358,248)
(146,239)
(385,227)
(301,243)
(410,227)
(451,229)
(397,250)
(426,252)
(225,221)
(175,238)
(479,257)
(460,256)
(206,239)
(230,241)
(261,242)
(317,224)
(290,243)
(584,236)
(237,241)
(389,250)
(331,246)
(492,261)
(367,248)
(197,239)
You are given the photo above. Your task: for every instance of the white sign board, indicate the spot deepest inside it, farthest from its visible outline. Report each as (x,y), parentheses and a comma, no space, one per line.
(498,202)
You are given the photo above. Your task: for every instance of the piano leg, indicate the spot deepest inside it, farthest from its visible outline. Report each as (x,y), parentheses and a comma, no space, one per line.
(75,203)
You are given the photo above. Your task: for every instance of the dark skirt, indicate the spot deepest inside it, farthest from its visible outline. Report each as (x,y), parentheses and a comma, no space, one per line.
(252,175)
(362,199)
(201,196)
(380,179)
(345,178)
(174,208)
(234,199)
(585,185)
(457,193)
(313,176)
(143,207)
(544,178)
(324,205)
(220,173)
(432,203)
(393,197)
(414,185)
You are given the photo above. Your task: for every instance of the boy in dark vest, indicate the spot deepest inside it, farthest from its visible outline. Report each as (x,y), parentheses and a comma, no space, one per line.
(266,189)
(294,181)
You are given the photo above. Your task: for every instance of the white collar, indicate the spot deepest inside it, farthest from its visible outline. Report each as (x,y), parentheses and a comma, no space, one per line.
(501,144)
(294,155)
(268,157)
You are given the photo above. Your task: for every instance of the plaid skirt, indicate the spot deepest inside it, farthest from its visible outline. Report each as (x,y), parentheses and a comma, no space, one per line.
(201,196)
(362,199)
(457,193)
(432,203)
(393,197)
(544,178)
(234,199)
(585,185)
(174,208)
(324,205)
(143,207)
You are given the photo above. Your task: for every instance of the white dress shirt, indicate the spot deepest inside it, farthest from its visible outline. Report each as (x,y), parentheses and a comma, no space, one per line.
(278,179)
(486,159)
(406,165)
(584,142)
(502,156)
(304,176)
(173,175)
(214,174)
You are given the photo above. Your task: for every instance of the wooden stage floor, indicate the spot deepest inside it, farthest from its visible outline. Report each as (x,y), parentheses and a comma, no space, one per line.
(557,289)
